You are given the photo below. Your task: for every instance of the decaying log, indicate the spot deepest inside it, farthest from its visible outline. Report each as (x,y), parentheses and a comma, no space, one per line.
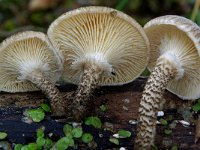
(122,106)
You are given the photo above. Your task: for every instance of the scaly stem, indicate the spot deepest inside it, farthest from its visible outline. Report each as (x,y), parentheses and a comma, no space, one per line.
(49,89)
(151,101)
(82,100)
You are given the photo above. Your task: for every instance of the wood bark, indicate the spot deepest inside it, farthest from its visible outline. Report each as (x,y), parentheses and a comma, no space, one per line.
(122,104)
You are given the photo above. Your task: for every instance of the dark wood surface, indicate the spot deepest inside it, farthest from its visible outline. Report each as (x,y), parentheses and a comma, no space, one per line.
(122,105)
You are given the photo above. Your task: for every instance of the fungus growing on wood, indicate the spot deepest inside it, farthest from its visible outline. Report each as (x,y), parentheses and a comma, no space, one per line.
(175,65)
(98,46)
(28,63)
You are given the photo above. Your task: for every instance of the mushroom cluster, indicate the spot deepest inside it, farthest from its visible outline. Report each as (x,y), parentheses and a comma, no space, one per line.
(98,46)
(94,46)
(28,63)
(175,65)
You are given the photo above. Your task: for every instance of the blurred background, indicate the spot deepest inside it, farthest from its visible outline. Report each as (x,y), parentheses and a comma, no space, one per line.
(21,15)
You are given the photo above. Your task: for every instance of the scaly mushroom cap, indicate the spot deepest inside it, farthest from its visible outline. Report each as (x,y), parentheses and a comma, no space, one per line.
(180,37)
(105,34)
(23,53)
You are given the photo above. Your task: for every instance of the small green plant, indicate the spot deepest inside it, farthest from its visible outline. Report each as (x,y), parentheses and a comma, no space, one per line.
(40,132)
(70,135)
(73,132)
(30,146)
(77,132)
(120,134)
(174,147)
(40,137)
(163,122)
(87,137)
(45,107)
(18,147)
(41,141)
(196,107)
(168,131)
(124,133)
(40,144)
(48,144)
(3,135)
(94,121)
(38,114)
(63,143)
(114,140)
(67,129)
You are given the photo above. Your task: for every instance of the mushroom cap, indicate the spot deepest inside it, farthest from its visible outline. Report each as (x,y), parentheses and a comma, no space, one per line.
(179,37)
(104,33)
(23,53)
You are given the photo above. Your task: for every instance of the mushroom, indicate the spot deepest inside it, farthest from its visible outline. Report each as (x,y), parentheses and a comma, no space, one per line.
(28,63)
(174,44)
(98,46)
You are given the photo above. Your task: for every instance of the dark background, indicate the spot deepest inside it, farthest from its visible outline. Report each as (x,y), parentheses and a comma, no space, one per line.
(21,15)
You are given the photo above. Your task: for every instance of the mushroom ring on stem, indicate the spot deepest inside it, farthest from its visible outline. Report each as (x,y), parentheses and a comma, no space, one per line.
(175,48)
(98,46)
(28,63)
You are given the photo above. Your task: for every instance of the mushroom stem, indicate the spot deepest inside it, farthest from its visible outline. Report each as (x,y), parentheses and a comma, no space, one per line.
(197,130)
(48,88)
(165,71)
(89,82)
